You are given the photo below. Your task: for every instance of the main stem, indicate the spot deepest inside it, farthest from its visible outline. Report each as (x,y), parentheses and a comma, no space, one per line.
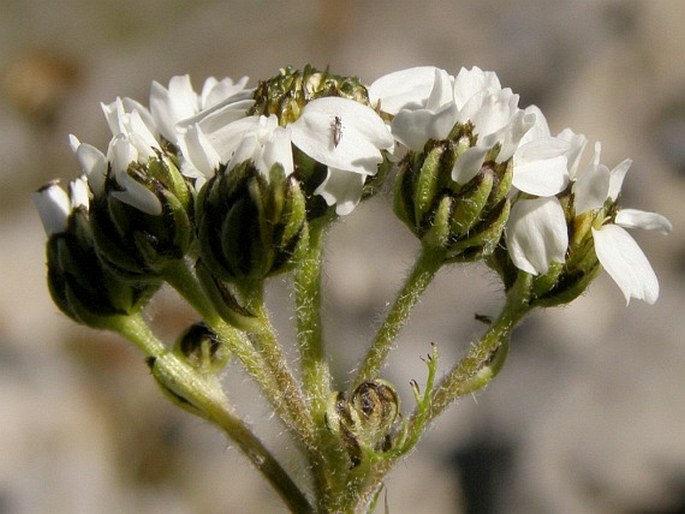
(208,401)
(268,368)
(270,350)
(328,461)
(422,274)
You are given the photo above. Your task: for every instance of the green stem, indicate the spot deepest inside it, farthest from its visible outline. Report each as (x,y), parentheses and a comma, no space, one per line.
(203,396)
(182,279)
(467,376)
(316,376)
(429,262)
(329,463)
(288,390)
(473,372)
(268,367)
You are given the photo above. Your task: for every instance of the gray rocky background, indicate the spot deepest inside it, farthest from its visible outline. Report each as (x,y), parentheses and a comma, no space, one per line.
(588,415)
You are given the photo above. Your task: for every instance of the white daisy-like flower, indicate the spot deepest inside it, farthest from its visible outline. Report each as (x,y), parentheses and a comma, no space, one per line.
(537,233)
(349,138)
(134,143)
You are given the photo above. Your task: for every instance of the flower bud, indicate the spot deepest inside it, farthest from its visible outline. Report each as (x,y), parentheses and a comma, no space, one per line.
(286,94)
(79,284)
(466,219)
(365,420)
(250,226)
(142,220)
(202,349)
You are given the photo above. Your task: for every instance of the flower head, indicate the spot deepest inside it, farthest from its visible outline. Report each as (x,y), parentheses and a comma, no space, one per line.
(558,233)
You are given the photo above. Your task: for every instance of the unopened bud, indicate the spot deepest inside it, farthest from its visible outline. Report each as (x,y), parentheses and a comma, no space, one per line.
(202,349)
(466,220)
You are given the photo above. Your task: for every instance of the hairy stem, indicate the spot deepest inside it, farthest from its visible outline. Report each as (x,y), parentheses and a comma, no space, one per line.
(422,274)
(203,396)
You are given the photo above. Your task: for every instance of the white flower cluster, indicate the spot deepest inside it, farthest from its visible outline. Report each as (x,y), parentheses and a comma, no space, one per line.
(212,129)
(426,102)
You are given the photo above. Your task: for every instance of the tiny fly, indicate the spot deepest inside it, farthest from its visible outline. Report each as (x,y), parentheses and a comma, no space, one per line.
(337,131)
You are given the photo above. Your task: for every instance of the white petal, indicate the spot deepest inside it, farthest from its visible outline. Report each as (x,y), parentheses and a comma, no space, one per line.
(78,192)
(468,164)
(539,129)
(342,189)
(215,92)
(591,189)
(510,136)
(279,149)
(248,149)
(541,166)
(633,218)
(577,142)
(414,128)
(404,89)
(363,133)
(168,106)
(199,153)
(623,259)
(536,234)
(137,195)
(216,117)
(227,138)
(93,163)
(442,93)
(121,153)
(469,82)
(53,207)
(490,111)
(617,175)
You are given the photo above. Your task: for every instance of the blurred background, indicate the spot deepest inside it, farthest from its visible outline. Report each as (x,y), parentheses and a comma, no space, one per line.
(588,415)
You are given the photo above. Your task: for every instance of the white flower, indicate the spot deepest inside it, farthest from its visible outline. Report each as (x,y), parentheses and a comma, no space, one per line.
(429,117)
(125,149)
(265,144)
(346,136)
(55,206)
(403,90)
(179,106)
(118,114)
(537,232)
(133,144)
(426,107)
(342,189)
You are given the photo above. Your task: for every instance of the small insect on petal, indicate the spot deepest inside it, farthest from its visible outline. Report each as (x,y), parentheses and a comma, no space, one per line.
(337,131)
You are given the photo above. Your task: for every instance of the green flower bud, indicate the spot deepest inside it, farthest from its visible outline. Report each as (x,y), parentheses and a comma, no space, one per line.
(139,241)
(81,286)
(365,420)
(250,226)
(287,93)
(202,349)
(466,220)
